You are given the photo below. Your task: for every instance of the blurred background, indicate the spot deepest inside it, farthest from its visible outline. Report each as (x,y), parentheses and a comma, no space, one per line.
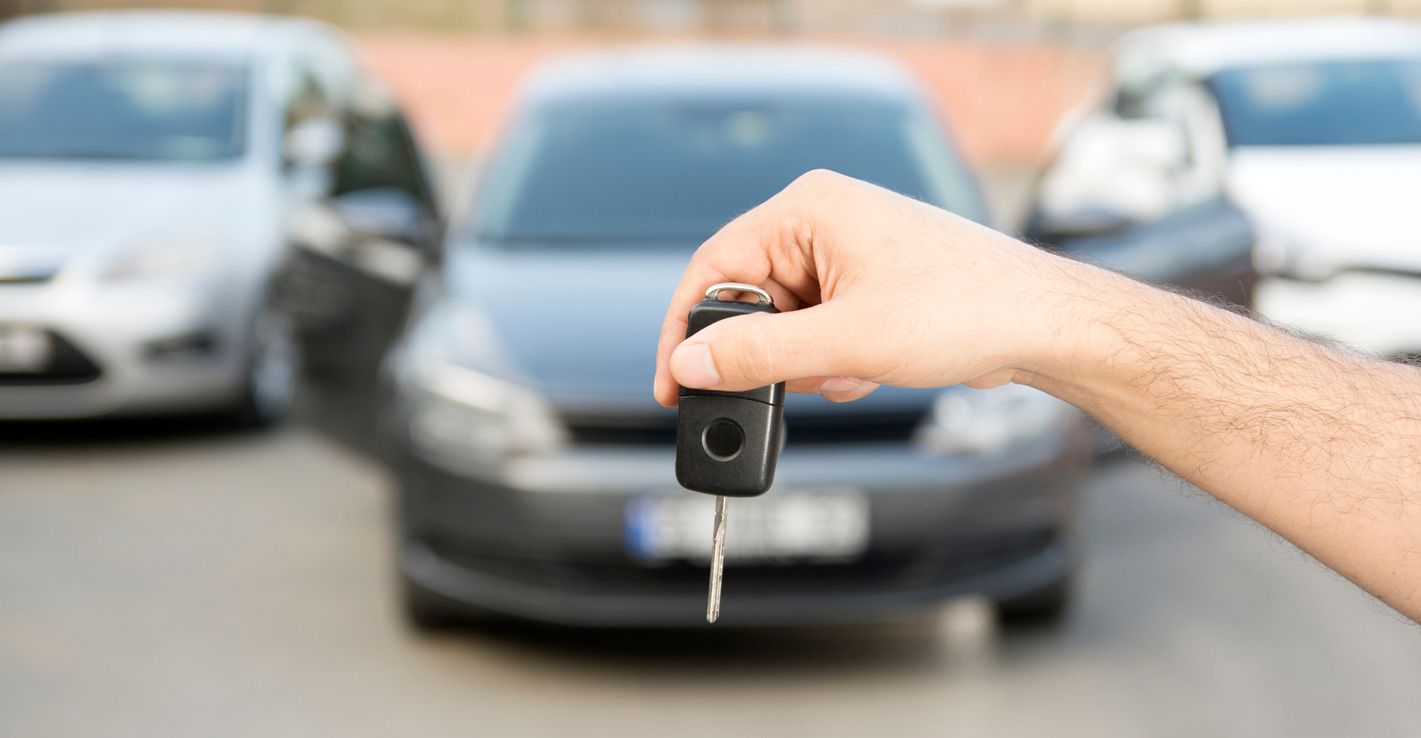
(310,425)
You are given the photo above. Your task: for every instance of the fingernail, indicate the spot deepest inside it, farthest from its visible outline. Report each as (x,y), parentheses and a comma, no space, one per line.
(840,384)
(692,365)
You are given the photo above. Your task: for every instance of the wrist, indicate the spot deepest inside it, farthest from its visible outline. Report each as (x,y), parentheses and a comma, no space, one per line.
(1077,350)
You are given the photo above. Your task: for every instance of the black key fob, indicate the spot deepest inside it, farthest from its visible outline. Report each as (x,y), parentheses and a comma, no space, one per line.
(727,443)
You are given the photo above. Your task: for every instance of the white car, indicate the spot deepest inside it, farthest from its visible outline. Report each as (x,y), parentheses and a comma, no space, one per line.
(1312,128)
(150,165)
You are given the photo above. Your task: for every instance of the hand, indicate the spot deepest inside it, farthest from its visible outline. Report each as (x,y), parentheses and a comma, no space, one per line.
(1316,444)
(873,288)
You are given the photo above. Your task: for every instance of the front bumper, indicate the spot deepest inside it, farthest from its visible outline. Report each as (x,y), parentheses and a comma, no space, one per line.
(545,539)
(1371,311)
(150,350)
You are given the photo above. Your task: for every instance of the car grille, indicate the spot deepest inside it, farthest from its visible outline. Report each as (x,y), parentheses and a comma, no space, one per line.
(67,365)
(800,428)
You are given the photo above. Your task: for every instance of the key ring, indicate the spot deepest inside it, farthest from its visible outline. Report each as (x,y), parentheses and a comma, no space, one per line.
(713,291)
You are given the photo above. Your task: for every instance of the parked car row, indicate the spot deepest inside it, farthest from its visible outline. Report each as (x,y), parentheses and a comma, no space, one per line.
(203,205)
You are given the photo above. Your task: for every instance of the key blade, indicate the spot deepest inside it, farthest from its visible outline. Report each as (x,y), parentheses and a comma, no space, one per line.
(717,568)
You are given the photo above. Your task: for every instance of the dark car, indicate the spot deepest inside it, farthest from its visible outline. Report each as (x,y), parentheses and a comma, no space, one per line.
(535,472)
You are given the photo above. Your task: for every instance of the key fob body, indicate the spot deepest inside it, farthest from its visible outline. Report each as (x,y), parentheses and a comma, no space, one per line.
(727,443)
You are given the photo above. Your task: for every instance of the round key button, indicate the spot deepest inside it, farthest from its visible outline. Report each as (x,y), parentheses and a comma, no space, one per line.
(723,439)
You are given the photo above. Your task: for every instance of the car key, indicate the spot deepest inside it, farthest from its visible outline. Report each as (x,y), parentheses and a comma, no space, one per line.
(727,443)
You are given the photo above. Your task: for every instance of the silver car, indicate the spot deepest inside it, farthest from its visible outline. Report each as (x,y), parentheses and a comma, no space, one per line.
(151,165)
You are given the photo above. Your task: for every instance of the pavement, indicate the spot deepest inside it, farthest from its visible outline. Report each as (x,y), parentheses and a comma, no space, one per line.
(179,579)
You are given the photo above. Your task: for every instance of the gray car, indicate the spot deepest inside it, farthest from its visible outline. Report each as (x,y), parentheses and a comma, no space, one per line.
(153,166)
(534,470)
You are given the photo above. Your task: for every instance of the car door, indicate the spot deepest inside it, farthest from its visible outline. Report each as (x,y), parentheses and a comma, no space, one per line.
(360,251)
(1138,187)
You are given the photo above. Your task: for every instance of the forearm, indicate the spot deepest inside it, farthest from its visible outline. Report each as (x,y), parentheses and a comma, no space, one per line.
(1319,445)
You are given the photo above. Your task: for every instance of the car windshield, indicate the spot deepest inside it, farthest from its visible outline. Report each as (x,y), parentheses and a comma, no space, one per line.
(122,109)
(1332,103)
(669,172)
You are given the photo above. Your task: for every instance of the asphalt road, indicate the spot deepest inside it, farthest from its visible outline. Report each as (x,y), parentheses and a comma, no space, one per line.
(172,580)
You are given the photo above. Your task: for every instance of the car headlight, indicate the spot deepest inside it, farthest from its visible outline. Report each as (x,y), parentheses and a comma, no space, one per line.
(163,257)
(458,415)
(965,421)
(1283,255)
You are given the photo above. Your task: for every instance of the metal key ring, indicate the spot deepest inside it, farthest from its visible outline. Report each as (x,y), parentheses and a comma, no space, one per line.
(713,291)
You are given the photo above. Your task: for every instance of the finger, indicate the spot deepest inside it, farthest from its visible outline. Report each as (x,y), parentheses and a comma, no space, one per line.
(700,274)
(853,389)
(751,351)
(665,389)
(749,249)
(825,385)
(784,299)
(806,386)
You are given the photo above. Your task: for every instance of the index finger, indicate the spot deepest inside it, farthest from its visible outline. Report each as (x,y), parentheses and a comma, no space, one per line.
(744,250)
(710,264)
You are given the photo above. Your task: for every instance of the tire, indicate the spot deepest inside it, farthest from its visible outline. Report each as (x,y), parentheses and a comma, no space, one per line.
(429,613)
(1046,607)
(272,367)
(424,611)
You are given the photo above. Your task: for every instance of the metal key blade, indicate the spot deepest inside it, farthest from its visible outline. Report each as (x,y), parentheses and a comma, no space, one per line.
(717,561)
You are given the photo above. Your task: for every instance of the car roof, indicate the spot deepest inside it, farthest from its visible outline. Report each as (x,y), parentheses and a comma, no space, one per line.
(1201,49)
(709,70)
(147,32)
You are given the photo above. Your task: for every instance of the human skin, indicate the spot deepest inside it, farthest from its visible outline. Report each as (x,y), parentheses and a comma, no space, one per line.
(1317,444)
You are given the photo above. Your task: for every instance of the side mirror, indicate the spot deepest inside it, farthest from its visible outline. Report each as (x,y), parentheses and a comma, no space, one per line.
(387,214)
(1151,143)
(316,142)
(1111,173)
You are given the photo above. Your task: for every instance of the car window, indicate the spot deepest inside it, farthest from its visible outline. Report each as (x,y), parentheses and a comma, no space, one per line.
(331,61)
(676,171)
(1131,101)
(307,97)
(152,110)
(380,153)
(1327,103)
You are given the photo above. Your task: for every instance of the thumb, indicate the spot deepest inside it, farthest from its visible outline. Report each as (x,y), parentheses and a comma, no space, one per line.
(751,351)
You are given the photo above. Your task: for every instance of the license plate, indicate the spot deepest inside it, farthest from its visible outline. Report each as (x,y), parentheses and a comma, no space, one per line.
(23,349)
(784,526)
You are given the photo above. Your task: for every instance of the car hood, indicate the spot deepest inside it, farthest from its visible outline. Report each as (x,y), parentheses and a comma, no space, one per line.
(1354,206)
(55,213)
(581,327)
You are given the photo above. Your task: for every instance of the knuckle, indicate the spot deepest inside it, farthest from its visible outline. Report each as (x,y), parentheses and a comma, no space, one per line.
(817,180)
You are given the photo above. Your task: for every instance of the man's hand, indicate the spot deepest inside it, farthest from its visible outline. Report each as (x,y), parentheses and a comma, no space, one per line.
(1319,445)
(874,288)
